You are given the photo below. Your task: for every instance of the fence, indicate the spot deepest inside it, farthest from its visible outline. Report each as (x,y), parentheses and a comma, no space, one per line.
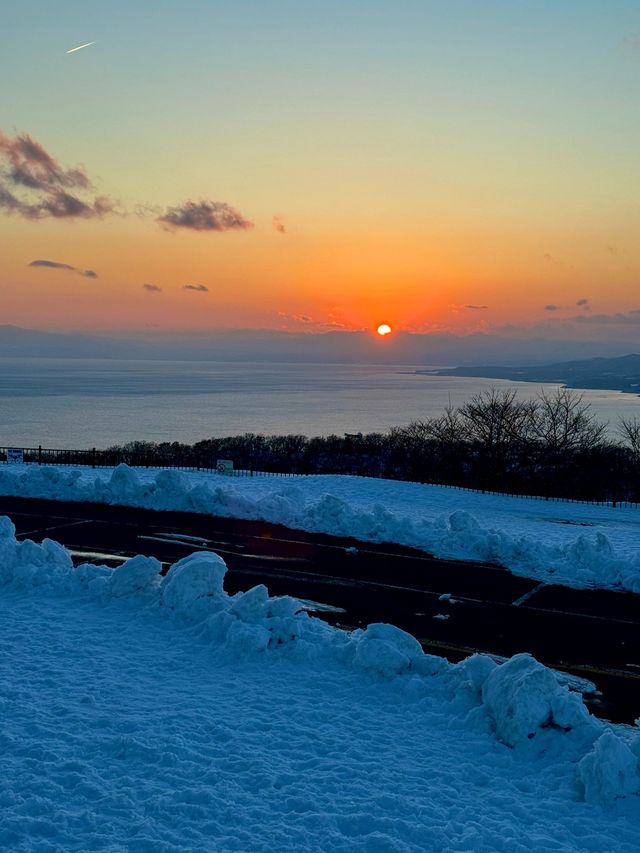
(244,468)
(136,459)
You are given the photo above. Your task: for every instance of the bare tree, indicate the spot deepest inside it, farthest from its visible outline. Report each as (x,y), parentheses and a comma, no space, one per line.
(629,432)
(447,428)
(565,423)
(496,419)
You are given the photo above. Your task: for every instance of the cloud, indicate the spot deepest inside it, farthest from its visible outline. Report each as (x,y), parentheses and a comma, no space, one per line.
(34,185)
(332,323)
(477,307)
(54,265)
(278,224)
(631,41)
(551,308)
(584,304)
(630,318)
(204,215)
(297,318)
(152,288)
(200,288)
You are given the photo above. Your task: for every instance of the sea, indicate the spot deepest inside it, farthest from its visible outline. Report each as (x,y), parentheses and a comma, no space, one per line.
(85,403)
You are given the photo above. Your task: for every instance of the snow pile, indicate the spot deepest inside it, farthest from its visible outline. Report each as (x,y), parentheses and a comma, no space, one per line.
(133,576)
(520,701)
(610,770)
(522,697)
(537,544)
(386,650)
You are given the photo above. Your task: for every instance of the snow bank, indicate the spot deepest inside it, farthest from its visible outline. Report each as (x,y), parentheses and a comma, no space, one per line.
(520,700)
(538,545)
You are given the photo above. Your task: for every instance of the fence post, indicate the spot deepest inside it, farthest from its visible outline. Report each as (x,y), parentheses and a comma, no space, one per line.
(93,458)
(39,454)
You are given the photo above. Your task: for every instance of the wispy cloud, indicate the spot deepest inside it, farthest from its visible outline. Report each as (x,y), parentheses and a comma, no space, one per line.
(332,323)
(199,288)
(279,225)
(584,304)
(34,185)
(152,288)
(55,265)
(632,41)
(302,319)
(628,318)
(477,307)
(204,215)
(551,307)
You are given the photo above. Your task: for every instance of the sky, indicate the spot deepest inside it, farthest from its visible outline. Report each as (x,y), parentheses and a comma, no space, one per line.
(461,167)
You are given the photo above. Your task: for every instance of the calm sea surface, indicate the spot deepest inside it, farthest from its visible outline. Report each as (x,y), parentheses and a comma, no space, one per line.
(72,403)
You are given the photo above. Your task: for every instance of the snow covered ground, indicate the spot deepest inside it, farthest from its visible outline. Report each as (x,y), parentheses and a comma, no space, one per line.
(143,714)
(574,544)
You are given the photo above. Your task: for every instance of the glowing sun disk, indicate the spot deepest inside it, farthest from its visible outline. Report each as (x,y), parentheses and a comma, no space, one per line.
(384,329)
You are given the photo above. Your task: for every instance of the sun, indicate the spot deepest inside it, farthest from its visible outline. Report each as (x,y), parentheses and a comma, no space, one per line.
(384,329)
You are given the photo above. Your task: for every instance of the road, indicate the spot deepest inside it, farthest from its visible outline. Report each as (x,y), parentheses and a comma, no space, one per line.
(453,607)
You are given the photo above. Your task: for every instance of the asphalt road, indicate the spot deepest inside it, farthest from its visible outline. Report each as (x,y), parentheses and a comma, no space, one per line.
(453,607)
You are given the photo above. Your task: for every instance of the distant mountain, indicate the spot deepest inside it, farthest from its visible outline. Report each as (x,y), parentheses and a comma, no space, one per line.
(612,374)
(246,345)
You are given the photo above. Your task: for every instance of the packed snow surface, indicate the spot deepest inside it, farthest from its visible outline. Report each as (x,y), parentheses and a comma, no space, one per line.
(143,713)
(575,544)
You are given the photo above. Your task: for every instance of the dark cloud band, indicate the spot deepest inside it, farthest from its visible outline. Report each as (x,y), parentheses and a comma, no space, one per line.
(34,185)
(55,265)
(204,216)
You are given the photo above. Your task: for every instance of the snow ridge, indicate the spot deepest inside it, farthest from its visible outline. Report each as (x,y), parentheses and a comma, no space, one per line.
(520,701)
(584,561)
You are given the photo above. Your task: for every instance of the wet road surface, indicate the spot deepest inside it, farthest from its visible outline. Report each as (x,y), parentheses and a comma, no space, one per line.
(453,607)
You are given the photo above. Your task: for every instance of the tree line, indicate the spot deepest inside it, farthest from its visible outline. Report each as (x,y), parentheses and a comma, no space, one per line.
(552,446)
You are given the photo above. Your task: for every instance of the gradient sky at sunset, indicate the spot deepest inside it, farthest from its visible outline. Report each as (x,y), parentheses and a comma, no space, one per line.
(435,165)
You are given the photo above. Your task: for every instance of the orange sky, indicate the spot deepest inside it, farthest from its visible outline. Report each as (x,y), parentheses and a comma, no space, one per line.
(415,167)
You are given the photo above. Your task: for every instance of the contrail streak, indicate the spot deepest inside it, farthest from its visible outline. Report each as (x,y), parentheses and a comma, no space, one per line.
(73,49)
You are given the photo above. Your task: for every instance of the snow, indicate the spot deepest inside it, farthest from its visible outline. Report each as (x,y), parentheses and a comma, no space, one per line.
(193,583)
(610,770)
(135,575)
(522,696)
(561,542)
(141,713)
